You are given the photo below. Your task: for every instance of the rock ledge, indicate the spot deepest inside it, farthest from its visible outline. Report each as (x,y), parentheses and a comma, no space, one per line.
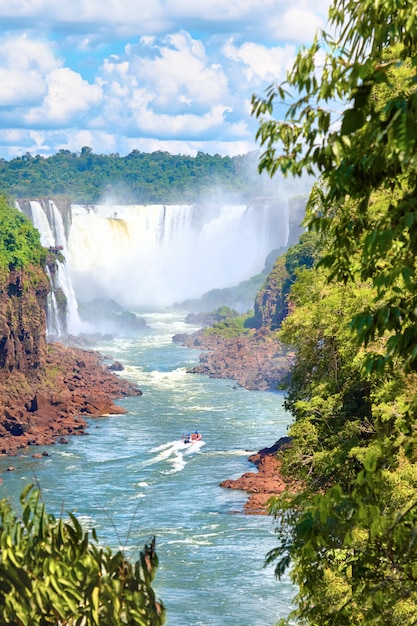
(264,483)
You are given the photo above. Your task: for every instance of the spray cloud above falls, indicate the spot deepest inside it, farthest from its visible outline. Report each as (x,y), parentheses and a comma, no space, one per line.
(155,255)
(150,256)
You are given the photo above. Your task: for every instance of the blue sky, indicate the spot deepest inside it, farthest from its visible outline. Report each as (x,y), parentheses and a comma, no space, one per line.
(118,75)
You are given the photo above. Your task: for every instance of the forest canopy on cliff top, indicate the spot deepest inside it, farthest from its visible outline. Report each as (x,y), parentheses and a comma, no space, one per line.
(87,178)
(20,244)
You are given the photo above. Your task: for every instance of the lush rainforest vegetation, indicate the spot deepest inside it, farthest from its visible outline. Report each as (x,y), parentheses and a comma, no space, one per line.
(87,178)
(19,241)
(53,572)
(349,531)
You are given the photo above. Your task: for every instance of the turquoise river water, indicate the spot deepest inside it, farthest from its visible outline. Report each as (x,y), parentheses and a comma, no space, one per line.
(132,478)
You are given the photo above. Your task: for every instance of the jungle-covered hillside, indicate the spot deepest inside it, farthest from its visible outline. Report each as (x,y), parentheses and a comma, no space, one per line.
(139,177)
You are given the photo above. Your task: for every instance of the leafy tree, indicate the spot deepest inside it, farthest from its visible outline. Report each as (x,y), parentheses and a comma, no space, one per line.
(367,72)
(51,572)
(349,528)
(354,552)
(351,120)
(19,241)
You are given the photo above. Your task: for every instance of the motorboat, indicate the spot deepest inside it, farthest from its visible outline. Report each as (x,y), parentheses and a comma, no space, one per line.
(192,438)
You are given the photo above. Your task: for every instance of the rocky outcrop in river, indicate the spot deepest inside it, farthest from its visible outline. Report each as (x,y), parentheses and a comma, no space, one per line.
(44,409)
(264,483)
(256,360)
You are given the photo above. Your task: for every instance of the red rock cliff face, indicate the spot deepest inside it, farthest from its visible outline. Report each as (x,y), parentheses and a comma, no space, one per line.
(45,389)
(23,321)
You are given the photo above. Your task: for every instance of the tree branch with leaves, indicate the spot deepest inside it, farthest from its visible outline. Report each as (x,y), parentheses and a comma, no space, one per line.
(351,121)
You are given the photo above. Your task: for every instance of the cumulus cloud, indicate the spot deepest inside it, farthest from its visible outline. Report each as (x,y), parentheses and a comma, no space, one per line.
(259,61)
(23,66)
(179,72)
(125,74)
(166,88)
(297,23)
(67,96)
(107,19)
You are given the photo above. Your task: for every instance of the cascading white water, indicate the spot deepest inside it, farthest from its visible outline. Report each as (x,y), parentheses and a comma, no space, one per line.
(155,255)
(48,220)
(147,256)
(53,319)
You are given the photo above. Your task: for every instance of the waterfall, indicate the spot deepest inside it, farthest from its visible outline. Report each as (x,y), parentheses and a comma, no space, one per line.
(54,326)
(155,255)
(47,219)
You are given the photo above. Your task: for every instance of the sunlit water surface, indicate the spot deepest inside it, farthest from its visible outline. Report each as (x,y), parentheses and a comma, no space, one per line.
(132,478)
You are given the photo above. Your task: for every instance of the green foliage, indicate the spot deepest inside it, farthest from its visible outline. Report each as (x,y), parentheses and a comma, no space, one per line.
(351,120)
(226,312)
(338,405)
(242,294)
(19,240)
(229,327)
(354,551)
(139,177)
(349,530)
(272,300)
(51,572)
(365,154)
(303,255)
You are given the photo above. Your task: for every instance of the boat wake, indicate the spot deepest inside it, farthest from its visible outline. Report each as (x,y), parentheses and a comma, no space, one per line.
(173,454)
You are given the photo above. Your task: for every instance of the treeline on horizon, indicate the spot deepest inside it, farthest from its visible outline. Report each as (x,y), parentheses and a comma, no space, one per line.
(139,177)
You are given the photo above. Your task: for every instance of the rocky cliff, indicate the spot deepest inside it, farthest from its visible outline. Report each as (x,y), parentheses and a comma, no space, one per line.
(266,482)
(271,304)
(23,321)
(256,360)
(45,389)
(255,357)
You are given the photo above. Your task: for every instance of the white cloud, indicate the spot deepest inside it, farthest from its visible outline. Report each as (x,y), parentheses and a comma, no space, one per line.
(218,10)
(120,74)
(26,54)
(67,95)
(106,20)
(167,88)
(180,125)
(23,65)
(19,88)
(297,23)
(101,142)
(179,72)
(260,61)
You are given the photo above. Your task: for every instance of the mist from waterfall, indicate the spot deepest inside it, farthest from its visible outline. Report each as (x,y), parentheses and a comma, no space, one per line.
(156,255)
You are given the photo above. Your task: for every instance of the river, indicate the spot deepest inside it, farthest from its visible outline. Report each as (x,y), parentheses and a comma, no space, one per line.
(132,478)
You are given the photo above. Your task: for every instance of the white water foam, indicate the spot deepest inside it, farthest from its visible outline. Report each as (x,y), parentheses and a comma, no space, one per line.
(172,453)
(52,233)
(155,255)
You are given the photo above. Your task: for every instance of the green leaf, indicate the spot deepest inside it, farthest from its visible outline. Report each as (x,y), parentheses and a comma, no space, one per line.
(353,120)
